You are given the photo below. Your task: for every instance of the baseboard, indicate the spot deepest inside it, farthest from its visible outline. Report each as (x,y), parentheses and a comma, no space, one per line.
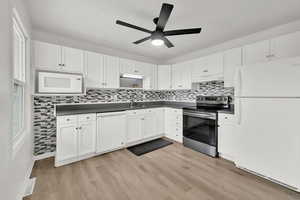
(44,156)
(26,180)
(269,178)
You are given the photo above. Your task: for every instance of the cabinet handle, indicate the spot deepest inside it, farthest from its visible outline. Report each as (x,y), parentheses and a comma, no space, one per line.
(205,70)
(68,119)
(136,71)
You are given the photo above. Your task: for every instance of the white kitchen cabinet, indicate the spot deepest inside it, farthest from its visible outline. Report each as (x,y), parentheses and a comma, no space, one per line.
(285,46)
(160,118)
(134,126)
(149,125)
(256,53)
(130,67)
(232,60)
(76,138)
(87,137)
(47,56)
(58,58)
(66,145)
(164,77)
(72,60)
(102,71)
(207,68)
(111,131)
(227,135)
(147,70)
(173,118)
(94,70)
(181,76)
(111,72)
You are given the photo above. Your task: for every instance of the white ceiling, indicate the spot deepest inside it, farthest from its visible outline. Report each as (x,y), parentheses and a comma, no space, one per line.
(221,20)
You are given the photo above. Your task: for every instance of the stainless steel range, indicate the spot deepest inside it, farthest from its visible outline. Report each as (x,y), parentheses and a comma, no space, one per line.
(200,124)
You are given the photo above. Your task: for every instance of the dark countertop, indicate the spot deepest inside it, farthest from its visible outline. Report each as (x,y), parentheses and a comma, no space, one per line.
(74,109)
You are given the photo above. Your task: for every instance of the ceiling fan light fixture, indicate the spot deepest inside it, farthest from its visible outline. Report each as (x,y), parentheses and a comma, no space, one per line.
(157,42)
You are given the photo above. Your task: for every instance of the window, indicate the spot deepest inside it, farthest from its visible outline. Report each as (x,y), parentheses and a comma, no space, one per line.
(19,81)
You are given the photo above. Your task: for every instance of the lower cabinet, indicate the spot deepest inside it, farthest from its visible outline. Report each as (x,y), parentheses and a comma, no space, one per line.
(173,125)
(75,138)
(111,131)
(227,136)
(134,126)
(143,125)
(87,135)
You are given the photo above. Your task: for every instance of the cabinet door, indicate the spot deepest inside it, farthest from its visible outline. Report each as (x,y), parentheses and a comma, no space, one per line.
(256,53)
(66,142)
(87,138)
(285,46)
(111,131)
(94,70)
(164,77)
(181,76)
(111,72)
(170,125)
(149,127)
(134,128)
(147,70)
(73,60)
(47,56)
(226,141)
(160,118)
(232,59)
(128,66)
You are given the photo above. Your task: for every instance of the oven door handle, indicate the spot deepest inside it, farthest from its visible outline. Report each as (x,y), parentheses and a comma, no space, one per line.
(200,115)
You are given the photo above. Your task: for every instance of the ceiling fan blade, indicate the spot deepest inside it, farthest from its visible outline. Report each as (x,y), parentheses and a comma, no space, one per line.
(142,40)
(182,31)
(132,26)
(167,42)
(164,15)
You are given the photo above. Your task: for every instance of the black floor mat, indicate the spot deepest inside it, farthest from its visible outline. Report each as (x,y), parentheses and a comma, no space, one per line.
(147,147)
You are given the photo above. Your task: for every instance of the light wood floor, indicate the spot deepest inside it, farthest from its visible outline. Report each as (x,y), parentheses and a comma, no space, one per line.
(170,173)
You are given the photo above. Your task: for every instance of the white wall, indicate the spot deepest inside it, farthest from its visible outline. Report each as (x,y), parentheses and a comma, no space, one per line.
(86,45)
(15,165)
(259,36)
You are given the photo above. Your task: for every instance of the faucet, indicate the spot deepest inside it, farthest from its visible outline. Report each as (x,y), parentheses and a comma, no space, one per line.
(132,102)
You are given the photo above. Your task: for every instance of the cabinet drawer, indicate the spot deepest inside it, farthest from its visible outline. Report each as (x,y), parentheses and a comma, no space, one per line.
(226,118)
(135,112)
(86,117)
(67,119)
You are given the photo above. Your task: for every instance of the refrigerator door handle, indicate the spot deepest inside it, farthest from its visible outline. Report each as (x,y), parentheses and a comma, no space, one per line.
(239,109)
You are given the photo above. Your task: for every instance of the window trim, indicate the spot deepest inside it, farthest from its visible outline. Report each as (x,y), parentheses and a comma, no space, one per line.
(19,139)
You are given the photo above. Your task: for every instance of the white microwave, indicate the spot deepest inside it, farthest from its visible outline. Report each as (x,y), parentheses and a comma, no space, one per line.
(59,83)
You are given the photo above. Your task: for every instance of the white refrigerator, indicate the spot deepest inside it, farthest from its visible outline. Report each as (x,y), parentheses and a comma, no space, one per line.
(267,98)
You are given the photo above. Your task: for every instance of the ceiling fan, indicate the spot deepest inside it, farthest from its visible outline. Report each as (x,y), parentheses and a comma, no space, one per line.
(159,36)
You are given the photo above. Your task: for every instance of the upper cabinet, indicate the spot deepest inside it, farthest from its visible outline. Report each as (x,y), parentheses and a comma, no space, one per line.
(285,46)
(94,70)
(208,68)
(256,53)
(47,55)
(164,77)
(102,71)
(181,76)
(53,57)
(111,74)
(130,67)
(281,47)
(72,59)
(232,59)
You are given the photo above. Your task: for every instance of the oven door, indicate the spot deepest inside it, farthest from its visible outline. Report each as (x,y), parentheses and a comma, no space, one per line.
(200,129)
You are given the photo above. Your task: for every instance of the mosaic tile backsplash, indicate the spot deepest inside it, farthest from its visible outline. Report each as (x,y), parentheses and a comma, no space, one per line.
(44,121)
